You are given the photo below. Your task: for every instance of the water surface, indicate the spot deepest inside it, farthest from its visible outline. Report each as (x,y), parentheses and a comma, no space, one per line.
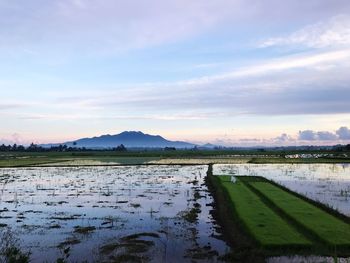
(159,213)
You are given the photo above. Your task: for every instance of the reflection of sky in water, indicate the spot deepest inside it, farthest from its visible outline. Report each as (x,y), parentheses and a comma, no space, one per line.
(36,199)
(326,183)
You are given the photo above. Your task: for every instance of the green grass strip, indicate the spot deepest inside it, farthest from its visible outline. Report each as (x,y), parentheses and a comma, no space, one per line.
(326,226)
(267,227)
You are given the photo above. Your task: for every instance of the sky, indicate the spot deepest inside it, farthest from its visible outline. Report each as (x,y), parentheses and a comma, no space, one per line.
(229,72)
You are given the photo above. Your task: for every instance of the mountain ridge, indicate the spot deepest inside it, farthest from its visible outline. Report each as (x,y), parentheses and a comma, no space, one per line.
(130,139)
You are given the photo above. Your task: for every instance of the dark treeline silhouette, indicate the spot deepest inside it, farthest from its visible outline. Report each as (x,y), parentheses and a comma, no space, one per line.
(121,148)
(60,148)
(170,149)
(342,148)
(346,147)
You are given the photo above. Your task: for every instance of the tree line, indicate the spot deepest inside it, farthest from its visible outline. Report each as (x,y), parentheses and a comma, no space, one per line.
(59,148)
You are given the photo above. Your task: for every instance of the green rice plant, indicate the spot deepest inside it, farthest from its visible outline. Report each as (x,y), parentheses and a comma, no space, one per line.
(266,226)
(327,227)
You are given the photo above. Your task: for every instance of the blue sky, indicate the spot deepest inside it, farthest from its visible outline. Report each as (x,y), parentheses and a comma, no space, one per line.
(228,72)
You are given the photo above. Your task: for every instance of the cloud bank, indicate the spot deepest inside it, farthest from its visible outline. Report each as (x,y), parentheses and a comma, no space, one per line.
(342,134)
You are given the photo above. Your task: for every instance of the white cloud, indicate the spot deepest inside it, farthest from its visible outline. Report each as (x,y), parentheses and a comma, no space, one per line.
(284,138)
(343,133)
(285,86)
(107,26)
(323,61)
(290,85)
(333,33)
(307,135)
(113,26)
(327,136)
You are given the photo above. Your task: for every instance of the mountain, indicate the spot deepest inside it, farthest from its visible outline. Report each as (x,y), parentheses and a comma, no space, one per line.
(130,139)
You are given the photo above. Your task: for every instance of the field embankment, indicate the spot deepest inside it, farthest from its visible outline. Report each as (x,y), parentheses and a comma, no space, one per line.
(162,157)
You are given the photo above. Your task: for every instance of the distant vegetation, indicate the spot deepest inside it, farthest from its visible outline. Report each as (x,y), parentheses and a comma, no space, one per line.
(282,151)
(19,155)
(60,148)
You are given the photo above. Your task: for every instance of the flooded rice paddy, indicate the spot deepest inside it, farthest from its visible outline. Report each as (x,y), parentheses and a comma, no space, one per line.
(139,213)
(325,183)
(96,214)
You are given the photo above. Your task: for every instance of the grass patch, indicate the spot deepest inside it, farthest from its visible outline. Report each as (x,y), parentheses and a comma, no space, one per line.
(28,162)
(327,227)
(267,227)
(281,222)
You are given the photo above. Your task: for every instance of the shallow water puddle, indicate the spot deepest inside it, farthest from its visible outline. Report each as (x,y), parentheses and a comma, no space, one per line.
(140,213)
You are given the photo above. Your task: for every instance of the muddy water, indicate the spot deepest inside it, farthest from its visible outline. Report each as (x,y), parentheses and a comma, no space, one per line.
(326,183)
(156,213)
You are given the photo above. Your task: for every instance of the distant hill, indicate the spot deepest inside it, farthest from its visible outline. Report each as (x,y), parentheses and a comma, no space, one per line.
(130,139)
